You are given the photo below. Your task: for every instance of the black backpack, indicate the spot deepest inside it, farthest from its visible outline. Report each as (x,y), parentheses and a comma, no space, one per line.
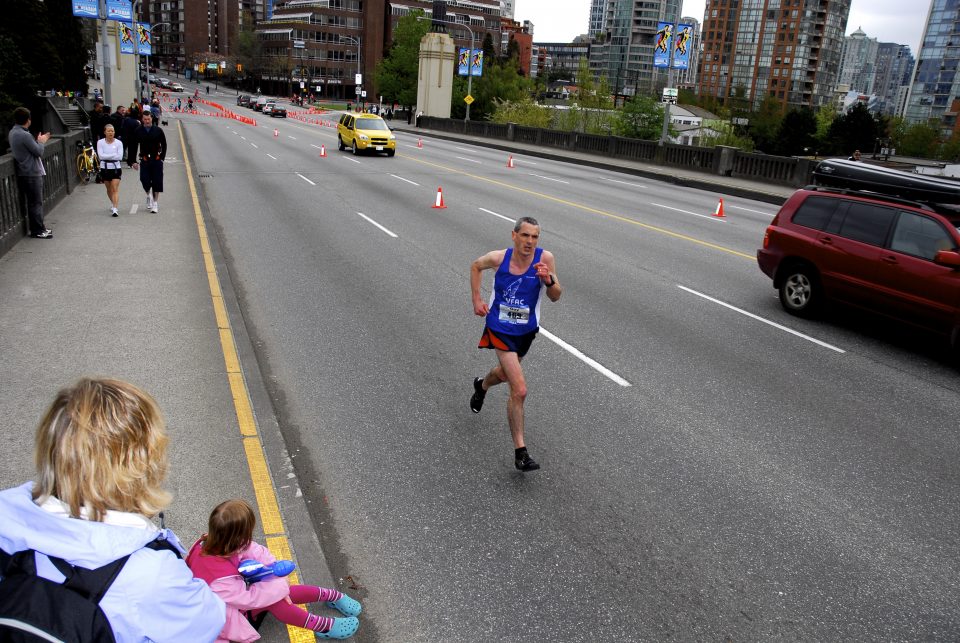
(33,608)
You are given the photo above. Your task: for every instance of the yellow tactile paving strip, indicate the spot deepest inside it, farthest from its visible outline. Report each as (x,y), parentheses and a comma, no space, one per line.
(269,508)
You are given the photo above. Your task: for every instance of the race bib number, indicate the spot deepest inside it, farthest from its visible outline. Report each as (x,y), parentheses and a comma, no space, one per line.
(514,314)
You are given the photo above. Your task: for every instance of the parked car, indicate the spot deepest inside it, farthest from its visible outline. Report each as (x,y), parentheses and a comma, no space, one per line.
(362,132)
(165,83)
(243,100)
(176,87)
(895,257)
(260,102)
(267,109)
(278,111)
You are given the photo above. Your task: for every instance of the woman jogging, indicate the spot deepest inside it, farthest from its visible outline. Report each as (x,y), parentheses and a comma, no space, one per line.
(110,151)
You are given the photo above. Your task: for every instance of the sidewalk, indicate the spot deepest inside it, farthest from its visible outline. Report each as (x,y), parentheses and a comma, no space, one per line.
(746,188)
(129,297)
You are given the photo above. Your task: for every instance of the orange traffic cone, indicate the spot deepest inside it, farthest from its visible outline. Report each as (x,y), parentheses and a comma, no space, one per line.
(439,202)
(276,133)
(323,152)
(719,211)
(510,162)
(420,143)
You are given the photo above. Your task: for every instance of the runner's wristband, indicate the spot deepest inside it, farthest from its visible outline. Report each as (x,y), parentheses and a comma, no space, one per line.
(552,283)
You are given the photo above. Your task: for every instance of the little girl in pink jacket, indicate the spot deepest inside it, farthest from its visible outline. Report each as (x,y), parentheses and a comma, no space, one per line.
(215,557)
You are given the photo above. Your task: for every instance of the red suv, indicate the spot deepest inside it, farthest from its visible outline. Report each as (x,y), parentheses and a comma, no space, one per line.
(884,254)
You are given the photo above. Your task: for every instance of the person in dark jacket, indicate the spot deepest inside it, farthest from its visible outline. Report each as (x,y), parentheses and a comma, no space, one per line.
(28,161)
(116,119)
(128,127)
(149,145)
(98,118)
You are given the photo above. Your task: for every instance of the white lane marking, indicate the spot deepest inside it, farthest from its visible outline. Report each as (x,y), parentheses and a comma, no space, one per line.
(316,146)
(702,216)
(350,159)
(549,179)
(740,207)
(377,224)
(464,158)
(587,360)
(244,137)
(305,179)
(526,162)
(413,146)
(635,185)
(462,149)
(403,179)
(293,137)
(761,319)
(255,145)
(235,132)
(497,215)
(272,156)
(133,208)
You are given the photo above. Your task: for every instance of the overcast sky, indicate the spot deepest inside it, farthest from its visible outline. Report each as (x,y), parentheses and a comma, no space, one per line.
(899,21)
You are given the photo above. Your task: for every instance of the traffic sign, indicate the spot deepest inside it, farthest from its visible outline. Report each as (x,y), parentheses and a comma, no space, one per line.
(468,99)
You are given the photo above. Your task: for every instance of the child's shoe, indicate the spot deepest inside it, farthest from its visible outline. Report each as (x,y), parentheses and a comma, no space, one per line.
(346,606)
(343,628)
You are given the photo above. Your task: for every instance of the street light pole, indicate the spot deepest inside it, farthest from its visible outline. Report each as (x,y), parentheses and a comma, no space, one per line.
(470,65)
(356,41)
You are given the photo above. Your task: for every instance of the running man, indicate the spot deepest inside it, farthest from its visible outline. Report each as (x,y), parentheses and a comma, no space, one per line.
(513,319)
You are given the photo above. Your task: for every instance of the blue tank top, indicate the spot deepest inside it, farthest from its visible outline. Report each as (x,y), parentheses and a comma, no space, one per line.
(515,301)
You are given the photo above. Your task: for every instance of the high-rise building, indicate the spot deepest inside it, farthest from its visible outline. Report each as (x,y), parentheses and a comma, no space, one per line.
(935,80)
(506,9)
(894,67)
(597,13)
(858,61)
(624,50)
(785,49)
(318,42)
(186,29)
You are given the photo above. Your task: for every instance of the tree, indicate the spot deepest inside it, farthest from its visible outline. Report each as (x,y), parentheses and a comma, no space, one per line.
(500,81)
(765,124)
(523,112)
(856,129)
(397,73)
(249,49)
(797,133)
(640,117)
(921,140)
(825,117)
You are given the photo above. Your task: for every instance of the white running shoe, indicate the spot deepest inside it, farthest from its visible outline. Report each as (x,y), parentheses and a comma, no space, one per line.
(155,208)
(149,202)
(113,212)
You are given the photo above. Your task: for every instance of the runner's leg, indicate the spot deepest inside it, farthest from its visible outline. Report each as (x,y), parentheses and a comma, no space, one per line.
(512,373)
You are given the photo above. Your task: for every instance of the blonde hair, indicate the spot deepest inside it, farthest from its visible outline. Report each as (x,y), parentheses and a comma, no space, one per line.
(102,446)
(230,528)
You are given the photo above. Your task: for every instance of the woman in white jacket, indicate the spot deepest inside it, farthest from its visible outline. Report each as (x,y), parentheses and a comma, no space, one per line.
(101,459)
(110,151)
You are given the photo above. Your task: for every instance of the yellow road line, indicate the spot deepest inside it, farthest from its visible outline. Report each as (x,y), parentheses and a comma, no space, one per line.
(270,517)
(587,208)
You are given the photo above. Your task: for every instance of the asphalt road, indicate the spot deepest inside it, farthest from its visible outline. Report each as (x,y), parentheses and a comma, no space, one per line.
(713,470)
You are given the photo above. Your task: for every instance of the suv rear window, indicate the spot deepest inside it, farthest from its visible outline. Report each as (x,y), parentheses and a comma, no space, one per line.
(867,223)
(919,236)
(815,212)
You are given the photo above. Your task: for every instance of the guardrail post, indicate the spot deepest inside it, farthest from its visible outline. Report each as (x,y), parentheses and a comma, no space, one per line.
(723,159)
(511,132)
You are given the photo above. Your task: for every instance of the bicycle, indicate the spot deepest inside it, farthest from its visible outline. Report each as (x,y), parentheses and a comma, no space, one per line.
(88,163)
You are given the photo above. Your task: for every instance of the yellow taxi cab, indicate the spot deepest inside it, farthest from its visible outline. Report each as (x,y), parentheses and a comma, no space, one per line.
(363,132)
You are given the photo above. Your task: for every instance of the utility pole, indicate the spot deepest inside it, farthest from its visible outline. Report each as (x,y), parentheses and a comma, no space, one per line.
(666,104)
(105,49)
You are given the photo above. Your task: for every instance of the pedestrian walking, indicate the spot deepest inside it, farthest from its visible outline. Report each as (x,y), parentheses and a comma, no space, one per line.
(97,120)
(215,558)
(110,151)
(513,320)
(156,110)
(150,143)
(28,160)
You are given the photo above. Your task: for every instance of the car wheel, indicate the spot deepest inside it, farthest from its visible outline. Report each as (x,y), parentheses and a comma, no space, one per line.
(800,292)
(391,152)
(355,150)
(340,145)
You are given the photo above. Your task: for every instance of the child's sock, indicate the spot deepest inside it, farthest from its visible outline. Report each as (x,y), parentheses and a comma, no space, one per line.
(328,594)
(318,623)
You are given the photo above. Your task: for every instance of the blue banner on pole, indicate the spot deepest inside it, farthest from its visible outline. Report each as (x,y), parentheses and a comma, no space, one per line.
(661,52)
(681,48)
(476,63)
(463,62)
(85,8)
(128,38)
(119,10)
(144,39)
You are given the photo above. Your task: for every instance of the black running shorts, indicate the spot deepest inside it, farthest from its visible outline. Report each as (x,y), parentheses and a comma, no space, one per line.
(518,344)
